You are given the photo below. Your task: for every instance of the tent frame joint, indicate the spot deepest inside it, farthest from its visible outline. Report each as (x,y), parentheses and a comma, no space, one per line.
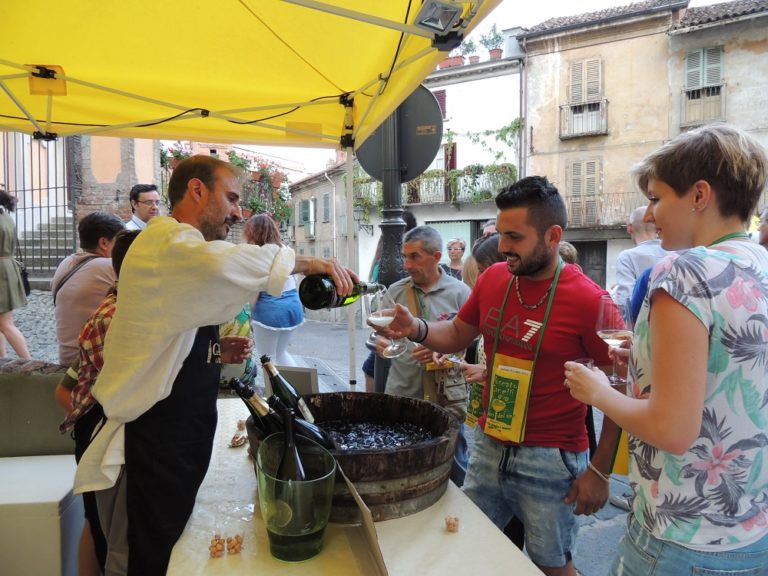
(47,136)
(44,72)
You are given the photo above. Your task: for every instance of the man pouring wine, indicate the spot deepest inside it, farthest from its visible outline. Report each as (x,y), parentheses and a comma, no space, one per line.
(159,383)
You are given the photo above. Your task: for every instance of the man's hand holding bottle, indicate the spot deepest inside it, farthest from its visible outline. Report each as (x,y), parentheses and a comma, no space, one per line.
(343,278)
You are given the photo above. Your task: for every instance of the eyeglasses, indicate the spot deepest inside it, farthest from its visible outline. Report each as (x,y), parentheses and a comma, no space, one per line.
(149,202)
(459,248)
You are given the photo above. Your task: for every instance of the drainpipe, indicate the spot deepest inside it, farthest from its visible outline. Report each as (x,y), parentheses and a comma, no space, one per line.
(523,108)
(333,214)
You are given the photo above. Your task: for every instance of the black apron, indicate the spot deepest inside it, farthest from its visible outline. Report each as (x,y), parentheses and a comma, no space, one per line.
(167,452)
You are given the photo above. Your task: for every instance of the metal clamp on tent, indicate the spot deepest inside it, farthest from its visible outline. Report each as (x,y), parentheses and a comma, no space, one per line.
(48,136)
(347,140)
(44,72)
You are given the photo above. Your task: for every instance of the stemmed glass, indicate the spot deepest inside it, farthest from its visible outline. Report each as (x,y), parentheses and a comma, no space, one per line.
(611,328)
(380,311)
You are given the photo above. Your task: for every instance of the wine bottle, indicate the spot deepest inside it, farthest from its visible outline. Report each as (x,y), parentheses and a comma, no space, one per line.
(318,292)
(263,416)
(302,427)
(291,467)
(285,391)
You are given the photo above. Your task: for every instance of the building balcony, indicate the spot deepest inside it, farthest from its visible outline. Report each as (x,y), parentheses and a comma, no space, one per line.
(605,210)
(585,119)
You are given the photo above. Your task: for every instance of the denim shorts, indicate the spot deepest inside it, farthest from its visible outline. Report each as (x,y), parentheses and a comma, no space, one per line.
(642,554)
(529,483)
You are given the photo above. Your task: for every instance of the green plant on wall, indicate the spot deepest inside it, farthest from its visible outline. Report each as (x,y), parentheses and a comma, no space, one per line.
(238,160)
(502,143)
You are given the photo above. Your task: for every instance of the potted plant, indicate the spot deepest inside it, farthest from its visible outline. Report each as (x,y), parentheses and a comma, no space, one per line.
(493,42)
(454,58)
(469,49)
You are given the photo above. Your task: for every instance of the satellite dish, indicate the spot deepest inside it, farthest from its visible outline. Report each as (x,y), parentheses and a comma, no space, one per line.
(420,132)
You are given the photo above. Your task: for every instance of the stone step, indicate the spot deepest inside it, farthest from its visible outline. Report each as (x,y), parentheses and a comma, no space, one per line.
(45,262)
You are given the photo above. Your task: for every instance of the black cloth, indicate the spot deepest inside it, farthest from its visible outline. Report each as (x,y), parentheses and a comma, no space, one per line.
(167,452)
(82,433)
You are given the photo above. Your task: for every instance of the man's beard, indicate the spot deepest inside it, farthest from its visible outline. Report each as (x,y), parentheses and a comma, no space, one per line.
(536,262)
(212,230)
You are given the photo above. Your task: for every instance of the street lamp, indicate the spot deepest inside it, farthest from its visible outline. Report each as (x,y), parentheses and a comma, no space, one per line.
(358,213)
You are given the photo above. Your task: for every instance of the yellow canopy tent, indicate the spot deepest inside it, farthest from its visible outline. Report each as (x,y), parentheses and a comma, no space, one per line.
(293,72)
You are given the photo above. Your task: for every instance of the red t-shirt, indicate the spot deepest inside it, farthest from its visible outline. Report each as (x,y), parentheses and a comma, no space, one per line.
(555,419)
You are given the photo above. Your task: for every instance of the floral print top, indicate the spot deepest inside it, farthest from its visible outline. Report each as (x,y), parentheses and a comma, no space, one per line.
(715,496)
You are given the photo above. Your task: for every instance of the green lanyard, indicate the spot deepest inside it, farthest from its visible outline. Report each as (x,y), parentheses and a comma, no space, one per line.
(543,325)
(730,236)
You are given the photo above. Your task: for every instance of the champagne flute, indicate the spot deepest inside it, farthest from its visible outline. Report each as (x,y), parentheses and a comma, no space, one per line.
(611,328)
(380,311)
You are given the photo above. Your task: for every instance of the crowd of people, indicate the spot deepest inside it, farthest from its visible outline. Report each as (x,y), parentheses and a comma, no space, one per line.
(503,326)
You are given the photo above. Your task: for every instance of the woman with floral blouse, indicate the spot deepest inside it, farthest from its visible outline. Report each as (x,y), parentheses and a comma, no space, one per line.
(695,409)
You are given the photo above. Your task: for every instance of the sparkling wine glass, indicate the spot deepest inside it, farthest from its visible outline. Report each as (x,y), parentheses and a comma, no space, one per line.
(611,328)
(380,311)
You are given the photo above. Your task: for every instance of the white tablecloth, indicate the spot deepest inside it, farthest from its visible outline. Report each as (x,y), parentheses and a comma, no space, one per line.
(415,544)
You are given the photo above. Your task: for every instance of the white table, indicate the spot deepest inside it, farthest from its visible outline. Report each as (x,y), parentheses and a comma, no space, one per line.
(40,519)
(415,544)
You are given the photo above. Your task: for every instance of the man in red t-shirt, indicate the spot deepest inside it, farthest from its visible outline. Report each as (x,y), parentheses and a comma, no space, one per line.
(531,307)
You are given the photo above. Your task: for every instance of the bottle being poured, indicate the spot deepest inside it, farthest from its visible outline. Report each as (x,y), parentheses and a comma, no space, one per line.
(318,292)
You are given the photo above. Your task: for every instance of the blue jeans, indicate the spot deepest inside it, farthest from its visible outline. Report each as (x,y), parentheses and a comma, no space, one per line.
(528,483)
(460,457)
(642,554)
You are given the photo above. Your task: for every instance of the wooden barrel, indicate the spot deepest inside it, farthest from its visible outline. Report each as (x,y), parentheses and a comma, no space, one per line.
(393,482)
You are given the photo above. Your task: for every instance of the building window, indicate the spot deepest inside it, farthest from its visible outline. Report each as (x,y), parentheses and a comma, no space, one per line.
(326,207)
(326,252)
(703,97)
(585,113)
(583,183)
(308,217)
(441,101)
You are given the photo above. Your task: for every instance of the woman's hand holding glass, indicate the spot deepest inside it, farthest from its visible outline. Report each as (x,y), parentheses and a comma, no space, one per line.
(585,384)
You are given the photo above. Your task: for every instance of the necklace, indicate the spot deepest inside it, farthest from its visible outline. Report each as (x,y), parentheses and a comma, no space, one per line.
(730,236)
(520,297)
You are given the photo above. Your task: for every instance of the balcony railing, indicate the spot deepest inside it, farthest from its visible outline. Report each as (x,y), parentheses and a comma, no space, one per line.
(586,119)
(606,210)
(702,105)
(471,185)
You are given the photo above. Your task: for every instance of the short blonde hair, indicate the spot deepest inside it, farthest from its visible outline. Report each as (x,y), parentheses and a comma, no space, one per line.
(733,163)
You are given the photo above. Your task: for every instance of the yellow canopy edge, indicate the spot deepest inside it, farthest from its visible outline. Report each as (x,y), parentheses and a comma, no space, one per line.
(247,71)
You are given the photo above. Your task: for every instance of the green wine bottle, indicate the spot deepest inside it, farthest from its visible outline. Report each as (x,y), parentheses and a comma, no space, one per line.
(291,467)
(285,391)
(318,292)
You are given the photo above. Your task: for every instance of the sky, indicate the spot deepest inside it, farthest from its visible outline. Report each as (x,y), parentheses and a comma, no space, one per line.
(302,162)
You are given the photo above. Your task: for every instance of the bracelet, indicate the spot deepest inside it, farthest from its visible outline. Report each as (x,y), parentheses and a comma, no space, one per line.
(419,337)
(594,469)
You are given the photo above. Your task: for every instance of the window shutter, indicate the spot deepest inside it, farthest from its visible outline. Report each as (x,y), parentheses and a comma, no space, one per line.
(440,97)
(326,207)
(312,209)
(693,70)
(713,66)
(576,85)
(304,212)
(576,179)
(594,80)
(590,177)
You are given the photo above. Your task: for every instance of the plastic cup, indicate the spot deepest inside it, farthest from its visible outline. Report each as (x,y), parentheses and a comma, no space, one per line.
(295,512)
(588,362)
